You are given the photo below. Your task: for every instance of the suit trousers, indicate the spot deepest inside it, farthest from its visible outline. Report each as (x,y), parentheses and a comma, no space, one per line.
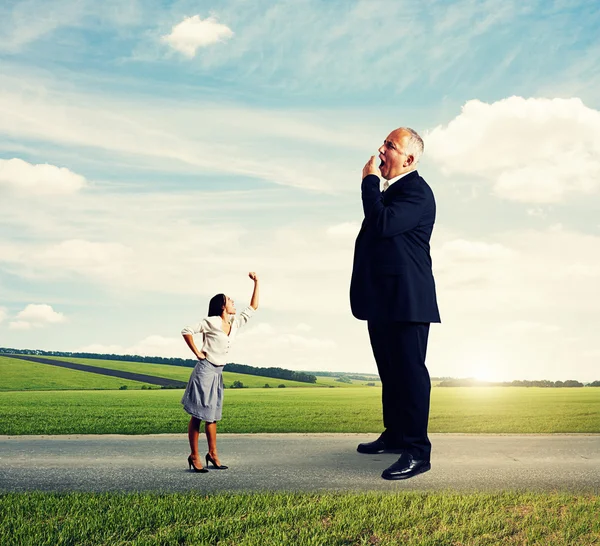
(399,349)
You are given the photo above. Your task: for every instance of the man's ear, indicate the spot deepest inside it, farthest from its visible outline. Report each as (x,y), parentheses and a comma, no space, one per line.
(409,161)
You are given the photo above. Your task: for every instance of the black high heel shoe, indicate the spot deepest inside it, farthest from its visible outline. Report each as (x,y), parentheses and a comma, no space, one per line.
(218,467)
(192,465)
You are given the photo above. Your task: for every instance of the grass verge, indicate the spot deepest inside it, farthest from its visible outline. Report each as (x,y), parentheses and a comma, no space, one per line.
(21,375)
(459,409)
(182,373)
(418,519)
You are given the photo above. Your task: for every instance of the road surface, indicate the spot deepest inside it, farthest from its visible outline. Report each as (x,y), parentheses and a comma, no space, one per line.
(296,462)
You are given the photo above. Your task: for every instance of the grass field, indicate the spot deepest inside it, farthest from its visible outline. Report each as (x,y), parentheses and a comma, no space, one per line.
(459,409)
(418,519)
(20,375)
(182,373)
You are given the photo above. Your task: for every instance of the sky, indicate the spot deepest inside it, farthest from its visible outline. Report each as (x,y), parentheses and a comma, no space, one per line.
(153,153)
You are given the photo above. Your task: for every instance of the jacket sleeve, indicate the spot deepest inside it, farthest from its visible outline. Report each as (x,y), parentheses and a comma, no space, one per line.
(402,214)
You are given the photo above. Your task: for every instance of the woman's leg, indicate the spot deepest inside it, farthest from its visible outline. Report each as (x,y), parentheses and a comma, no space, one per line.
(211,438)
(193,434)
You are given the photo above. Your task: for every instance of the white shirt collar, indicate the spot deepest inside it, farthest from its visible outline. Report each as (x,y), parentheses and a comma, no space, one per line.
(388,183)
(216,320)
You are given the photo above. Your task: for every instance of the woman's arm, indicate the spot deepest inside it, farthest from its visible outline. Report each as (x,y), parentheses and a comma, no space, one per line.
(189,339)
(254,300)
(188,335)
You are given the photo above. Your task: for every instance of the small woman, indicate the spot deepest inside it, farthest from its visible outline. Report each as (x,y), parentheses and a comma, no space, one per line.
(203,397)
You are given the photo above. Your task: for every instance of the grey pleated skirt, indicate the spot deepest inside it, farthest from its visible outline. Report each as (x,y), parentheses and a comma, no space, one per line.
(203,397)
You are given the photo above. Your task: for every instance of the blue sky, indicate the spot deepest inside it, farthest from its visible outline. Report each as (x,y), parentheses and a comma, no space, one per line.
(153,153)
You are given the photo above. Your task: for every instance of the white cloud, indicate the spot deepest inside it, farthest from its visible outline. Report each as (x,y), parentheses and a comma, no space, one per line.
(98,260)
(43,179)
(3,314)
(36,316)
(534,150)
(193,33)
(19,325)
(40,314)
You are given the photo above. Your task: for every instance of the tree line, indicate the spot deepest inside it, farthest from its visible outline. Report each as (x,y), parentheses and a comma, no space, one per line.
(276,373)
(517,383)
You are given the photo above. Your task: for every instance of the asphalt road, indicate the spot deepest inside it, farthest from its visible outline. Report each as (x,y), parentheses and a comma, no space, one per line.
(296,462)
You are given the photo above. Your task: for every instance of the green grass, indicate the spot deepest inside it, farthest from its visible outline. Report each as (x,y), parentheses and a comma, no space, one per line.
(21,375)
(410,518)
(459,409)
(182,373)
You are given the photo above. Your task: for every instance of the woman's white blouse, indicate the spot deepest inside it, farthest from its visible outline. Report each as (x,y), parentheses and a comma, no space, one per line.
(217,343)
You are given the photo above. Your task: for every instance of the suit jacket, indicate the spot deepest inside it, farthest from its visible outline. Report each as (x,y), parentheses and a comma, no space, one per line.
(391,275)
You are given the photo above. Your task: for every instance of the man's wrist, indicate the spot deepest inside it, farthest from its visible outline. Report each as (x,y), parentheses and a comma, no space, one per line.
(371,174)
(371,179)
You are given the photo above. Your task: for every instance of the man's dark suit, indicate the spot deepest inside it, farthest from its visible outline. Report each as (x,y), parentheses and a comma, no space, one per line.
(393,289)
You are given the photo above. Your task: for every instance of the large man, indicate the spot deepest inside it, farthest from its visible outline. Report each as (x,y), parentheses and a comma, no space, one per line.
(393,289)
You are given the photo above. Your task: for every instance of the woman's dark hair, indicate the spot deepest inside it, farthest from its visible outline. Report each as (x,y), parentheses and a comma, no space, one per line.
(216,305)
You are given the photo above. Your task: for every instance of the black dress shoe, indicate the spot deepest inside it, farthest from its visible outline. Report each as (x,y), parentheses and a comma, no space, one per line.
(378,446)
(406,467)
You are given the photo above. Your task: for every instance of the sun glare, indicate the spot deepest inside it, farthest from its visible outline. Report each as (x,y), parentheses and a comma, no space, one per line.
(486,373)
(485,366)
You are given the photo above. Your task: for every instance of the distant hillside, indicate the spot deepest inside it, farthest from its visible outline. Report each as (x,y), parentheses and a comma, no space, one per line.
(276,373)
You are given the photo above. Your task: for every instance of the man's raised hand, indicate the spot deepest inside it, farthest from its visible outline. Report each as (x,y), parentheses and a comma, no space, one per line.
(371,167)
